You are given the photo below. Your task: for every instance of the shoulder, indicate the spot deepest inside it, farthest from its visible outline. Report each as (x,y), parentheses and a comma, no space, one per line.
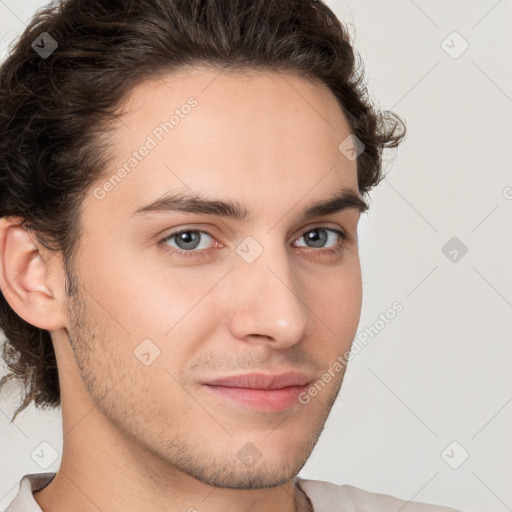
(330,497)
(24,501)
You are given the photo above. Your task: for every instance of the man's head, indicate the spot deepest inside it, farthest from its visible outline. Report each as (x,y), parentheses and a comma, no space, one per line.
(120,149)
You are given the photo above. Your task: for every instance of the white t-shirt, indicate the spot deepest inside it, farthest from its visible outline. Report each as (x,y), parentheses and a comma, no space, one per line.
(324,497)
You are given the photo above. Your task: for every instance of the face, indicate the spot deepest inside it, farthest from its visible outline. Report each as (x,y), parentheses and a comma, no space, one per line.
(159,317)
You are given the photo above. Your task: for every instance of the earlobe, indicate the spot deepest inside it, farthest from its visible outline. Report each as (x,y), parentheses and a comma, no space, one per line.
(29,284)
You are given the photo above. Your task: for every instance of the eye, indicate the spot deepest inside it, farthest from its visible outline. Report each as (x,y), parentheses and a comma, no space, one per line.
(194,242)
(319,236)
(187,241)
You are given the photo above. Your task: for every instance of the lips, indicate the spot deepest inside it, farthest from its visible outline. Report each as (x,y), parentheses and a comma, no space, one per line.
(264,392)
(262,381)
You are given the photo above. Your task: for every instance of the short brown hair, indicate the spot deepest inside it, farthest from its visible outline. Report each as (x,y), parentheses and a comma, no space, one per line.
(55,109)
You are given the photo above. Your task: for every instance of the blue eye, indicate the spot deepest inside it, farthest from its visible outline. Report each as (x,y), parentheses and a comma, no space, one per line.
(318,236)
(188,241)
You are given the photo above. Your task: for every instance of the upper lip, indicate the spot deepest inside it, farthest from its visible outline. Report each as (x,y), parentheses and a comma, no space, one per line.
(262,381)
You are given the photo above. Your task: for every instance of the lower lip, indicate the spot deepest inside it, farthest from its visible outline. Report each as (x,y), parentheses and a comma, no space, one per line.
(269,400)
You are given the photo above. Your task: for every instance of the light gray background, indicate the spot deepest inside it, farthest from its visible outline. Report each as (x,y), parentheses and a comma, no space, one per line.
(439,372)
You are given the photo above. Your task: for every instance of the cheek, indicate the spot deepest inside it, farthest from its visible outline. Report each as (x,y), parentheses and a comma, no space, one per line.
(174,308)
(336,307)
(351,294)
(336,297)
(143,298)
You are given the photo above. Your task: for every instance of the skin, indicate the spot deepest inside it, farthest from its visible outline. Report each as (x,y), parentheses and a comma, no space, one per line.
(139,437)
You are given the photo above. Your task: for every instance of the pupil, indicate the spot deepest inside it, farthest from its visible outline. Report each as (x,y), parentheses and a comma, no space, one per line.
(317,240)
(188,237)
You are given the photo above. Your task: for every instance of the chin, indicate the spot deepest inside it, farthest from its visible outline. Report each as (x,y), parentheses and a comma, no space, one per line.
(261,477)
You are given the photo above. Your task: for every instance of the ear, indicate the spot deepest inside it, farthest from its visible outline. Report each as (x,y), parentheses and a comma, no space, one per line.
(32,278)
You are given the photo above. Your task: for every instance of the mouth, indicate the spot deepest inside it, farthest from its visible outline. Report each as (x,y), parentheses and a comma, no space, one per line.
(264,392)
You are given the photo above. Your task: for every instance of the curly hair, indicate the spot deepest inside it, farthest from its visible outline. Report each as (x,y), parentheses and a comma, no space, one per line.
(56,110)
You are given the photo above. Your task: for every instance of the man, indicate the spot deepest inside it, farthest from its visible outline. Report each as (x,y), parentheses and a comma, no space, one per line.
(181,187)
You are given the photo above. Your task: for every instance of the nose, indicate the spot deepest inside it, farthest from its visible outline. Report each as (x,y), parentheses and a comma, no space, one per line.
(269,303)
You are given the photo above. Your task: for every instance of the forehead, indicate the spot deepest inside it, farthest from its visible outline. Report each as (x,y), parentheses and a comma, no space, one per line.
(259,136)
(269,93)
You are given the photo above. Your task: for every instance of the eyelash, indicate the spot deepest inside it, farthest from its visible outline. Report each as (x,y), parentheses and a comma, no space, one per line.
(343,236)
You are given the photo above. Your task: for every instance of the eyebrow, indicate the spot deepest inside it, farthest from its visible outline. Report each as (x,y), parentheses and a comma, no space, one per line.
(344,198)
